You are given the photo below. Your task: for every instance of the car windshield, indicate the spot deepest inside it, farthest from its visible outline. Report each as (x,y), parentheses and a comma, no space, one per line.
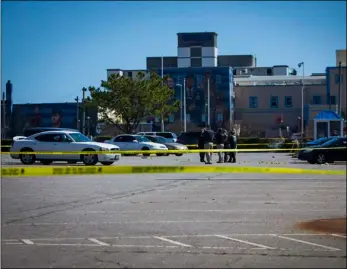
(141,138)
(159,139)
(78,137)
(321,140)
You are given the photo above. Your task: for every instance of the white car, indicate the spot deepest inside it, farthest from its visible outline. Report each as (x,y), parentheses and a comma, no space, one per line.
(169,136)
(63,141)
(137,142)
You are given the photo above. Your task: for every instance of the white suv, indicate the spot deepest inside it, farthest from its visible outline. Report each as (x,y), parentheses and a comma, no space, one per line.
(136,142)
(169,136)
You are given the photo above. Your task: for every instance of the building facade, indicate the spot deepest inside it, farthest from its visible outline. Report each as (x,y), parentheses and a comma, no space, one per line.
(61,115)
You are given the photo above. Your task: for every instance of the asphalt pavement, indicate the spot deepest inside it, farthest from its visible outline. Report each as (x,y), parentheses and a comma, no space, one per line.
(173,220)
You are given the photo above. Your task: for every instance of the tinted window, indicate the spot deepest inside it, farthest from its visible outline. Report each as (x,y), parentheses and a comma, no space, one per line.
(119,139)
(151,138)
(141,138)
(78,137)
(49,138)
(128,138)
(166,135)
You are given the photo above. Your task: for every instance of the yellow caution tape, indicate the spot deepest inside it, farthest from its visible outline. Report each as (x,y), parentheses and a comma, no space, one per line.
(161,151)
(99,170)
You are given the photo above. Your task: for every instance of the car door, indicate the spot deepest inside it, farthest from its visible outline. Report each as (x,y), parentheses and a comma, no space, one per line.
(63,143)
(130,144)
(341,150)
(45,143)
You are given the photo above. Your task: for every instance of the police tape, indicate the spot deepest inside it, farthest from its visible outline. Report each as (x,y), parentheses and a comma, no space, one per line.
(162,152)
(100,170)
(195,145)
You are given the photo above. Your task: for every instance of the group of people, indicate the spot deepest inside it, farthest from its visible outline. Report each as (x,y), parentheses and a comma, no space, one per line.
(222,139)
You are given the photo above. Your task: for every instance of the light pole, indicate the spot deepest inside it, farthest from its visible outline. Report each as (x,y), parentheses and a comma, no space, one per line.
(77,114)
(88,120)
(181,102)
(302,100)
(208,102)
(184,107)
(340,103)
(84,110)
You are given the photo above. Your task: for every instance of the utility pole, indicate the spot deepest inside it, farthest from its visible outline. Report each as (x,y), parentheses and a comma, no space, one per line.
(208,102)
(184,107)
(302,100)
(77,114)
(340,102)
(84,110)
(162,84)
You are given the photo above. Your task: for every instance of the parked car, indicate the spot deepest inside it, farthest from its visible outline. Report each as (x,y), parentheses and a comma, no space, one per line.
(190,139)
(170,146)
(330,151)
(169,136)
(63,141)
(318,141)
(137,142)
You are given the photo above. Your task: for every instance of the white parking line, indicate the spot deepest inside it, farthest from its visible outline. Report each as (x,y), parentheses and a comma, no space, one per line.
(27,241)
(172,241)
(98,242)
(243,241)
(339,235)
(308,243)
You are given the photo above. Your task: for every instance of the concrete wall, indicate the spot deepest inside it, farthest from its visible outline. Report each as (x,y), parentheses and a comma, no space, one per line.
(341,57)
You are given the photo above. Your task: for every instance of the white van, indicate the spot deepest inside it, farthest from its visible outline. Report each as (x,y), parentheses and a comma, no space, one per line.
(169,136)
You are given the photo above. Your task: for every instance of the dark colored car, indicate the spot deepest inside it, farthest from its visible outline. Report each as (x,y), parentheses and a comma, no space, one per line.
(36,130)
(330,151)
(318,141)
(169,145)
(190,139)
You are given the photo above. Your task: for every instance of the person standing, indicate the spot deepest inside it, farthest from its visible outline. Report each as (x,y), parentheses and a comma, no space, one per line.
(201,145)
(227,155)
(221,137)
(233,145)
(208,143)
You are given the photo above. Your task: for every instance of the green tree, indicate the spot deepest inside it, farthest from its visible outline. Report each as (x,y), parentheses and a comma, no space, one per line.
(125,102)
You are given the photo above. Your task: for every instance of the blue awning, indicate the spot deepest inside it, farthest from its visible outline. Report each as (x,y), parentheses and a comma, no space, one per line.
(328,115)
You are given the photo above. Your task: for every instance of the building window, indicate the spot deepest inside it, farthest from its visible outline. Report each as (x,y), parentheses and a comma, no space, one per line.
(203,118)
(317,100)
(332,100)
(195,62)
(195,52)
(269,71)
(220,117)
(274,102)
(337,79)
(218,79)
(199,79)
(172,118)
(130,74)
(288,101)
(188,117)
(253,101)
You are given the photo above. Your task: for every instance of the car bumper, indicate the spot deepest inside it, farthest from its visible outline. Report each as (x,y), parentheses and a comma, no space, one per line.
(14,156)
(303,156)
(109,157)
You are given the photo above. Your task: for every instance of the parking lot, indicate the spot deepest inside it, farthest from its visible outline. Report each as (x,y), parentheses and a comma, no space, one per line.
(173,220)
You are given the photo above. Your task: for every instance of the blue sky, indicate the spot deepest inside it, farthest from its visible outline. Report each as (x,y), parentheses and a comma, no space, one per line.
(50,50)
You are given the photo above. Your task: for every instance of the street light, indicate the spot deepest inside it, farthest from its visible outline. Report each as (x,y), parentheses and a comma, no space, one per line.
(181,102)
(302,99)
(88,120)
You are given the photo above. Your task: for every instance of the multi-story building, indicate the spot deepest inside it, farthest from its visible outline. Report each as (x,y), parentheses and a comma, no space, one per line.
(260,99)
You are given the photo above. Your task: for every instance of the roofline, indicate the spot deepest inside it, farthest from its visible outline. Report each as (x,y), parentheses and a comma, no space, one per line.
(334,67)
(214,33)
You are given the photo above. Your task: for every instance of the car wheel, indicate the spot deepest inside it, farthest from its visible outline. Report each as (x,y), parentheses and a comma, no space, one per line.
(179,154)
(71,162)
(106,163)
(46,162)
(311,162)
(145,154)
(321,158)
(27,158)
(160,154)
(89,159)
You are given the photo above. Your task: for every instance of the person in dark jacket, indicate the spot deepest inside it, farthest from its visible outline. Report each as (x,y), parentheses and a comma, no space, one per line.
(201,145)
(208,143)
(227,155)
(221,137)
(233,145)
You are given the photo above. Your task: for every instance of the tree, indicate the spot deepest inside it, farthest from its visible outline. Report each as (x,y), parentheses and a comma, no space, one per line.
(125,102)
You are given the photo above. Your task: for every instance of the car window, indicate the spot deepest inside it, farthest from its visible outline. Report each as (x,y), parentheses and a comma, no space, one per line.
(78,137)
(142,138)
(128,138)
(151,138)
(165,134)
(119,139)
(159,139)
(49,138)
